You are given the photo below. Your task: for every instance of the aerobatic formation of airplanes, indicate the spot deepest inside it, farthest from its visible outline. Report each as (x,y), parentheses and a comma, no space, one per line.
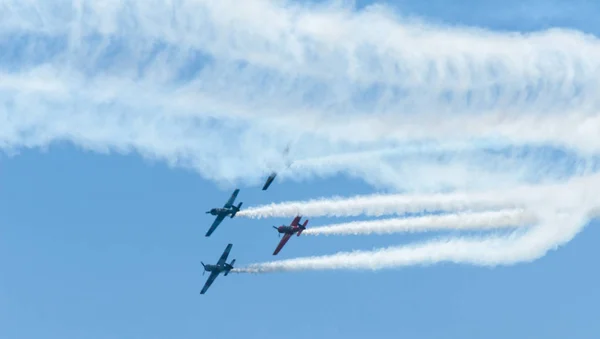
(229,209)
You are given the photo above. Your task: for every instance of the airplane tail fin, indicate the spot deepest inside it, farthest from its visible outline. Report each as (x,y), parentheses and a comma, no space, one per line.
(230,267)
(236,209)
(303,227)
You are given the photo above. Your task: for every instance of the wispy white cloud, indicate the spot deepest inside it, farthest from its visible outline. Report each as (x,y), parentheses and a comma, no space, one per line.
(222,87)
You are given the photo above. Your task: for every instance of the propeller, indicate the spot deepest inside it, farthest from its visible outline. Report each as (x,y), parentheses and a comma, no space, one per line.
(203,271)
(278,234)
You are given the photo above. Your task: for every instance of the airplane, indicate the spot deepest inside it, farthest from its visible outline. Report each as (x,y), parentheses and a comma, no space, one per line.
(269,181)
(221,213)
(289,231)
(215,270)
(274,174)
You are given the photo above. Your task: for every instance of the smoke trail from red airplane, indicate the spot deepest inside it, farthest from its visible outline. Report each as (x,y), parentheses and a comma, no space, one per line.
(454,221)
(519,246)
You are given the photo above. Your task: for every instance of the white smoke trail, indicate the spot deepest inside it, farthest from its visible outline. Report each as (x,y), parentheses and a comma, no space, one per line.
(207,87)
(458,221)
(379,204)
(561,215)
(552,232)
(375,205)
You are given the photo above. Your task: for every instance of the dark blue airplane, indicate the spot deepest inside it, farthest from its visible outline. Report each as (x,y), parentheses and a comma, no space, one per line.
(269,181)
(221,213)
(274,174)
(215,270)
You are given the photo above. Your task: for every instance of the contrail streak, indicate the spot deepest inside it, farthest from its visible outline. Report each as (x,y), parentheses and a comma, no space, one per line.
(561,216)
(458,221)
(379,204)
(553,231)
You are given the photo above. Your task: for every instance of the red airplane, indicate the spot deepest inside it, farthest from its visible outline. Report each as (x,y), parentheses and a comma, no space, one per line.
(289,231)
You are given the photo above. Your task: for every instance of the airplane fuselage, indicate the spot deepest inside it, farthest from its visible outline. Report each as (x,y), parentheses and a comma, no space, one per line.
(211,268)
(218,268)
(220,211)
(287,229)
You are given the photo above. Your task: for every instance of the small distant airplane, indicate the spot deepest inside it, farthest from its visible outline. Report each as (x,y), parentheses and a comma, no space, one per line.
(274,174)
(289,231)
(221,213)
(269,181)
(217,269)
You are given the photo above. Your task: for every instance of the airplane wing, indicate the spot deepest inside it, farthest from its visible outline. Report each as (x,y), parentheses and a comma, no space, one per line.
(211,278)
(214,225)
(223,257)
(285,239)
(229,202)
(296,221)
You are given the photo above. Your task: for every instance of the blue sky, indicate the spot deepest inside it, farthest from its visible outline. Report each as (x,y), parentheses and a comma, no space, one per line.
(97,244)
